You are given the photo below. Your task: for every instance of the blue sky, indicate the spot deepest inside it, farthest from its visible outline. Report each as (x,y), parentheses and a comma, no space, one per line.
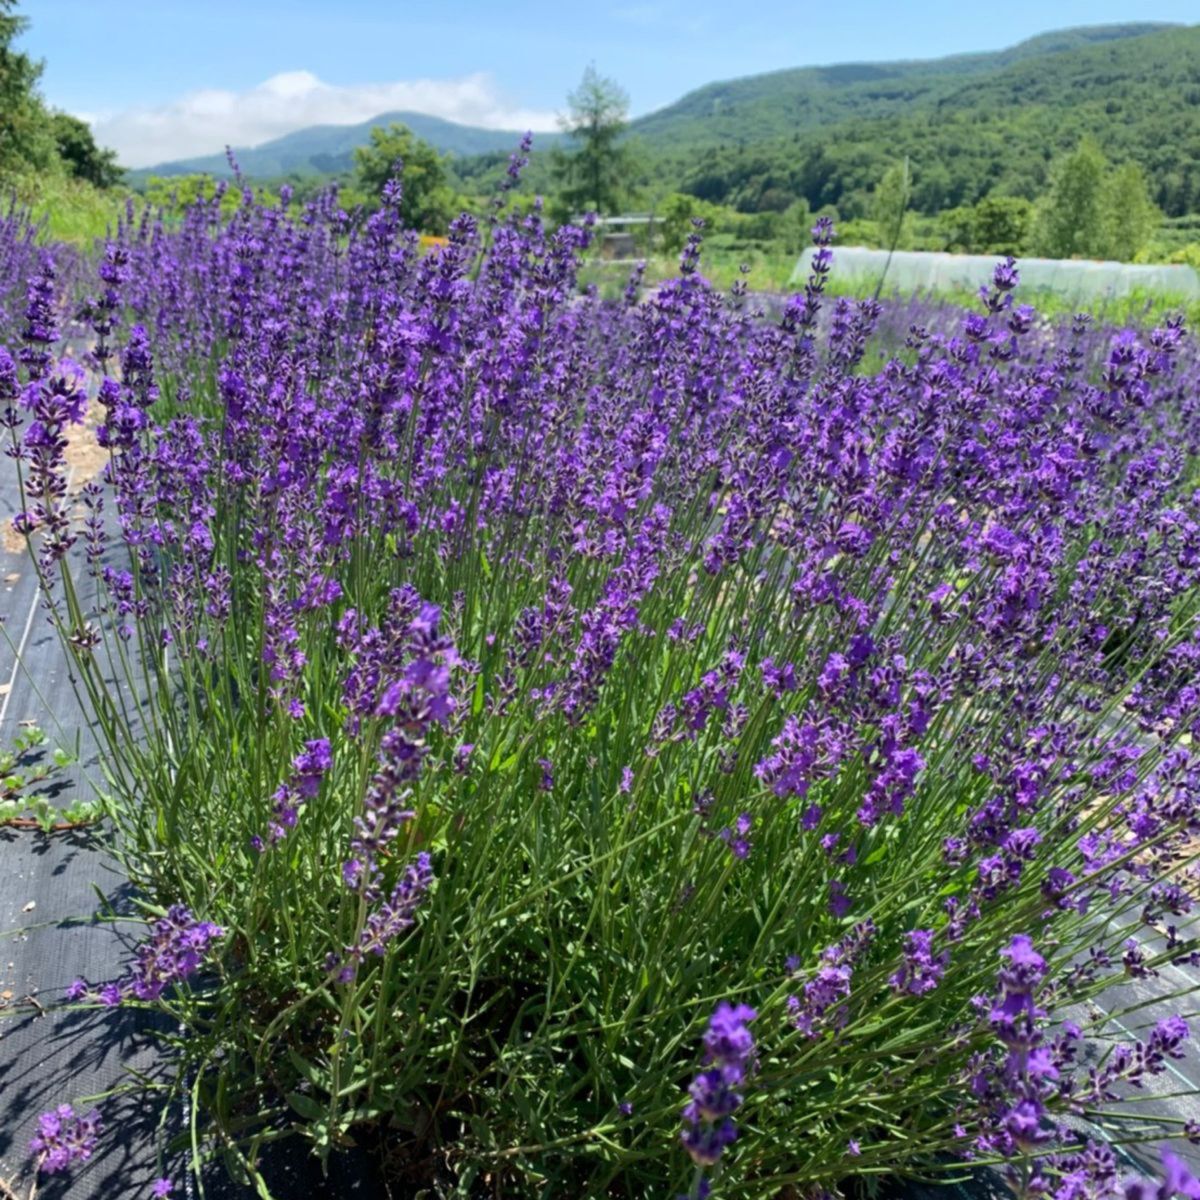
(164,78)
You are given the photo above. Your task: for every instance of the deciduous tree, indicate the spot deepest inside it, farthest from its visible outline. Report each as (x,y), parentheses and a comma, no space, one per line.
(78,150)
(427,202)
(1001,225)
(1130,216)
(25,134)
(890,202)
(1070,217)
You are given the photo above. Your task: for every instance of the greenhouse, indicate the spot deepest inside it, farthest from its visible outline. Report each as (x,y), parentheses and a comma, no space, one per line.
(915,270)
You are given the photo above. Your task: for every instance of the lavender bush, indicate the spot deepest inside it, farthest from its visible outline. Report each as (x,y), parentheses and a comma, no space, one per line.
(512,686)
(17,257)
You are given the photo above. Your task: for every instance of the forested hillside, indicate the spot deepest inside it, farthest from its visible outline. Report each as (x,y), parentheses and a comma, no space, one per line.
(971,124)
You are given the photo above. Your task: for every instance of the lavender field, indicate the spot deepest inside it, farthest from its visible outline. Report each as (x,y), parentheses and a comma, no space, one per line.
(549,746)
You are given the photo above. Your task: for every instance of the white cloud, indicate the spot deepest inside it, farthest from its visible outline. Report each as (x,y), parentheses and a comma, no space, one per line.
(204,122)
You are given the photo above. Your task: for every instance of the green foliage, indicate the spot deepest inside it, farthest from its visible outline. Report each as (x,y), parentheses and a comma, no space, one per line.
(995,225)
(1130,216)
(862,231)
(785,233)
(26,138)
(67,209)
(1070,217)
(38,813)
(78,150)
(890,202)
(1189,255)
(956,228)
(38,148)
(676,214)
(1093,210)
(22,769)
(175,193)
(1000,225)
(795,226)
(593,174)
(427,203)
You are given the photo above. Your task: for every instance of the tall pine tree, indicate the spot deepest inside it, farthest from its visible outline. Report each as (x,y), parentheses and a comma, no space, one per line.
(594,175)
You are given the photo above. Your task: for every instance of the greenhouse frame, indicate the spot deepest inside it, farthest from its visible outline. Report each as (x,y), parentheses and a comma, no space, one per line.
(917,270)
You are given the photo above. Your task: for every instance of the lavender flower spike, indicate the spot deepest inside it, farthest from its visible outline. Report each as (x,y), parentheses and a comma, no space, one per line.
(728,1046)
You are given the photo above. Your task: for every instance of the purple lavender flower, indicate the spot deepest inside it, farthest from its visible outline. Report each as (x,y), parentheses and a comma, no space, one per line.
(308,769)
(1018,981)
(403,677)
(921,970)
(728,1046)
(728,1040)
(172,954)
(1025,1123)
(823,993)
(388,920)
(738,837)
(41,319)
(1176,1180)
(64,1138)
(55,401)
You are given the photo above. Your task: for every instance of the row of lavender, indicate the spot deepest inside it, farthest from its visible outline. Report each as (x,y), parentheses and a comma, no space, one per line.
(511,683)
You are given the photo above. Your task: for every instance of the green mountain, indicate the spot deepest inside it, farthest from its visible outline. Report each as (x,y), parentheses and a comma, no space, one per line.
(786,102)
(329,149)
(970,124)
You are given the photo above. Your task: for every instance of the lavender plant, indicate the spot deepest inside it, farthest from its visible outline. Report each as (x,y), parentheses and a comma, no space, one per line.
(17,255)
(510,682)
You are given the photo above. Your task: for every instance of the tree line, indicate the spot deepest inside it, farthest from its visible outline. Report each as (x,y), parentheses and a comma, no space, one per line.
(1087,207)
(35,138)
